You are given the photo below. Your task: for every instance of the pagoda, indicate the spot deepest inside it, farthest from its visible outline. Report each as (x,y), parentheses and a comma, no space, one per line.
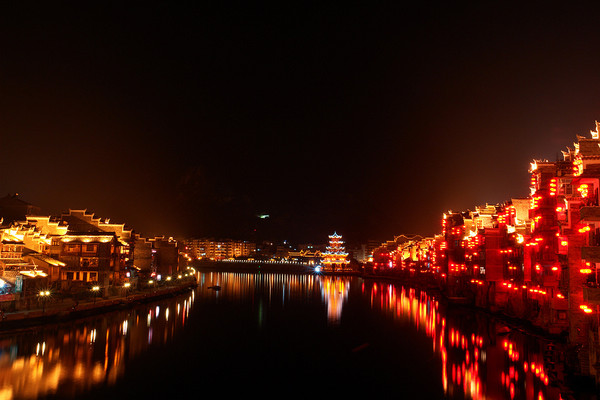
(334,258)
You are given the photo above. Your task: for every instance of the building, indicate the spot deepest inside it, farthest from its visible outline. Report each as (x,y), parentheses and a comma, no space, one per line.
(12,208)
(91,258)
(334,258)
(165,256)
(533,258)
(213,249)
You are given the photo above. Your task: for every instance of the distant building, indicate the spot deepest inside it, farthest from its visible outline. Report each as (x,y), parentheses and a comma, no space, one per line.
(12,208)
(358,253)
(305,256)
(208,248)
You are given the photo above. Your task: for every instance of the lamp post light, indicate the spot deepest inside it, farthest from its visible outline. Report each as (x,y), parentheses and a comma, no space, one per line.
(95,290)
(126,285)
(43,294)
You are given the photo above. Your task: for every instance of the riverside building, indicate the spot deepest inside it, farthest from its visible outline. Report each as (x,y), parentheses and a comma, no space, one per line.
(533,258)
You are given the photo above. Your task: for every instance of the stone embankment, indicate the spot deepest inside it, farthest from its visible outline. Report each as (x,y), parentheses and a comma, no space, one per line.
(70,309)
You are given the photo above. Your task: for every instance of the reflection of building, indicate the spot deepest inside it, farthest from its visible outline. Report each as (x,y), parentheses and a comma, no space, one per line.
(481,358)
(334,257)
(334,291)
(72,360)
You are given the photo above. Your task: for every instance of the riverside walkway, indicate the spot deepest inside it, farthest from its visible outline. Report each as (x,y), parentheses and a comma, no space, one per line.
(55,310)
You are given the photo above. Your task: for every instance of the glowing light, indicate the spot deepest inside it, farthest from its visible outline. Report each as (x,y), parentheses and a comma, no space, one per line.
(585,229)
(585,309)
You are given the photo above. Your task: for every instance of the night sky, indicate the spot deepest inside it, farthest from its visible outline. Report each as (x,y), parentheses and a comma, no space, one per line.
(370,120)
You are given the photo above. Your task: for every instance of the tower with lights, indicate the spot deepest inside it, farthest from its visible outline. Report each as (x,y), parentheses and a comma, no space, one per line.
(334,257)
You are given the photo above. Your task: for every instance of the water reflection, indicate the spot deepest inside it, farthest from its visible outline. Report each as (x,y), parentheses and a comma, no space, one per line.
(334,291)
(280,288)
(481,358)
(69,359)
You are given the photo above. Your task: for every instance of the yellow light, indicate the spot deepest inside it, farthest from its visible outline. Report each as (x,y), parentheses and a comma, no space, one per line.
(127,284)
(584,229)
(585,271)
(95,288)
(585,309)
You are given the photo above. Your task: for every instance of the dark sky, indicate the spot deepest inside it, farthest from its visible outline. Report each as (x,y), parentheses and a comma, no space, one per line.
(370,120)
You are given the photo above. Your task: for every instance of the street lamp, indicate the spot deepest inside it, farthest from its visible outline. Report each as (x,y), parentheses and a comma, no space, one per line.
(43,294)
(126,285)
(95,289)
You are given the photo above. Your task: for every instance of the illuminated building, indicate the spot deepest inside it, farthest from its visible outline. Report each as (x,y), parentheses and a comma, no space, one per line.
(305,256)
(208,248)
(90,257)
(334,257)
(534,258)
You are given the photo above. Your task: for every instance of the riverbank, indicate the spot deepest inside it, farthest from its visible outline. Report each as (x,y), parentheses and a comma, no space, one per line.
(70,310)
(266,266)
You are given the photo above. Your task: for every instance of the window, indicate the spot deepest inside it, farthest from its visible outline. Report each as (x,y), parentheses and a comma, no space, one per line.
(89,262)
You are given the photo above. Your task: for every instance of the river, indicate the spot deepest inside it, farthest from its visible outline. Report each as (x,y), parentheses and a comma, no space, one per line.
(286,335)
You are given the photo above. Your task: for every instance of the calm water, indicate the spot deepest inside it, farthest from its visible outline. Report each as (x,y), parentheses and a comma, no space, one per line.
(283,335)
